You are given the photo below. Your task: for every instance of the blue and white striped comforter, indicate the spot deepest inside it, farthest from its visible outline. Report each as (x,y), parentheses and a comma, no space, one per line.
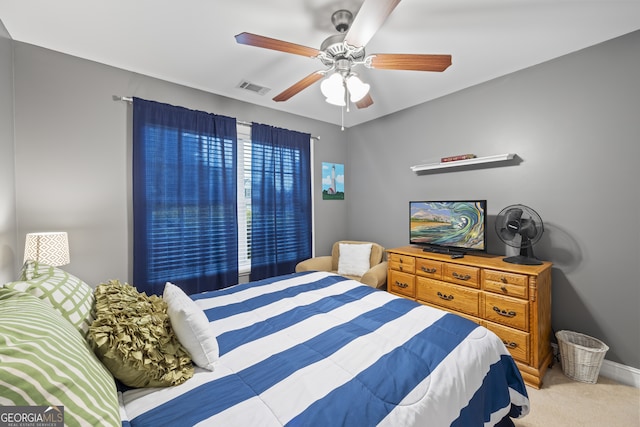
(318,349)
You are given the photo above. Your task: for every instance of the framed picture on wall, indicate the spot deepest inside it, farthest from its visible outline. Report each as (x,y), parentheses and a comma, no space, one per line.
(332,181)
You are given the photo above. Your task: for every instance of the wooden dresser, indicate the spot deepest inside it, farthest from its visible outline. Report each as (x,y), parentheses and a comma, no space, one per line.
(513,301)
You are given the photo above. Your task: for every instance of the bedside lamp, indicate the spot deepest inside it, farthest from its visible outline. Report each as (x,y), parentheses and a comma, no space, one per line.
(50,248)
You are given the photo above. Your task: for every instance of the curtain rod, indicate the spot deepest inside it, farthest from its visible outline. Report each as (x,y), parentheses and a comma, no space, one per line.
(240,122)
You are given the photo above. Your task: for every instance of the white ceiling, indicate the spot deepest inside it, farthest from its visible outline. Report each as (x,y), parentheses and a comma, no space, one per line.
(191,42)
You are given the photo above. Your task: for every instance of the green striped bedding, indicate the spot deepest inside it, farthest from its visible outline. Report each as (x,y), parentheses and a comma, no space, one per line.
(35,342)
(69,295)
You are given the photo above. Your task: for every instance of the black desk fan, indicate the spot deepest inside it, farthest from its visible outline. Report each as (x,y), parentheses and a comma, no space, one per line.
(519,226)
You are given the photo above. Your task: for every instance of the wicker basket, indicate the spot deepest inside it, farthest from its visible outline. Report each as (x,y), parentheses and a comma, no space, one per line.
(581,356)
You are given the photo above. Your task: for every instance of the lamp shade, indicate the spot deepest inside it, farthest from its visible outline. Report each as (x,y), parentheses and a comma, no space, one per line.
(51,248)
(337,100)
(357,89)
(333,89)
(335,86)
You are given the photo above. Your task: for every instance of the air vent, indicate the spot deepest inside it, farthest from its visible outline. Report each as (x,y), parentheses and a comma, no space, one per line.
(252,87)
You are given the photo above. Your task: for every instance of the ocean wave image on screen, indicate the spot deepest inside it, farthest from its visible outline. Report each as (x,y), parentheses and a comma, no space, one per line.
(448,223)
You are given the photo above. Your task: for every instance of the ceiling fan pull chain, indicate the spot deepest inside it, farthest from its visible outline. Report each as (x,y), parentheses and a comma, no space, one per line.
(347,96)
(342,112)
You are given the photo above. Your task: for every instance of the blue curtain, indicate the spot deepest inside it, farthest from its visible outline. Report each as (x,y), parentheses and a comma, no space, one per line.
(280,200)
(184,198)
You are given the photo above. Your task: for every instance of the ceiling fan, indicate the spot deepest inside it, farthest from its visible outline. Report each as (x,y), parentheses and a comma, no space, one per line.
(346,50)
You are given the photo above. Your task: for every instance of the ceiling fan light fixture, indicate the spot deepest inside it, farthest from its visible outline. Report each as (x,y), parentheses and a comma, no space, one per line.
(337,100)
(357,88)
(333,87)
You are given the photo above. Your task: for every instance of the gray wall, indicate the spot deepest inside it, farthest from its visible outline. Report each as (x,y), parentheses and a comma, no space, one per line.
(73,155)
(8,233)
(575,123)
(572,121)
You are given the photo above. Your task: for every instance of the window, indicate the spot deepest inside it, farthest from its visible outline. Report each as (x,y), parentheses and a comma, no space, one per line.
(184,198)
(211,201)
(244,198)
(289,233)
(280,200)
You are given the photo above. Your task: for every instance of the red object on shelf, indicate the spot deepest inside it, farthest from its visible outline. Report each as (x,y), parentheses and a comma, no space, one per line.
(458,157)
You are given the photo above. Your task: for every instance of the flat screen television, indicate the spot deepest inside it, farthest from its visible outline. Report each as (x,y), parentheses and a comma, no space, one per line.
(448,226)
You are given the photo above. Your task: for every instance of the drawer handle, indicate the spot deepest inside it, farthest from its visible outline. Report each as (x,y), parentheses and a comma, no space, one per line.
(504,313)
(400,267)
(402,285)
(510,344)
(401,261)
(445,296)
(504,279)
(428,270)
(460,276)
(504,289)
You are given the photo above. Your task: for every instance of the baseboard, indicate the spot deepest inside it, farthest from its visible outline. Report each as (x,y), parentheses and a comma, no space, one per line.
(615,371)
(621,373)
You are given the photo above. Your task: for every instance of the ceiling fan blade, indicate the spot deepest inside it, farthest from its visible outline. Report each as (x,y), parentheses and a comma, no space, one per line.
(275,44)
(414,62)
(369,19)
(365,102)
(299,86)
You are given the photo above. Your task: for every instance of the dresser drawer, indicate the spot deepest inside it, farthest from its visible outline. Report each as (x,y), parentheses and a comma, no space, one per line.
(517,342)
(511,284)
(429,268)
(451,297)
(402,263)
(461,274)
(507,311)
(457,313)
(402,283)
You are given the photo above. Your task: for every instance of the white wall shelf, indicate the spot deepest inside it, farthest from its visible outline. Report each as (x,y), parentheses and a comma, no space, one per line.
(466,162)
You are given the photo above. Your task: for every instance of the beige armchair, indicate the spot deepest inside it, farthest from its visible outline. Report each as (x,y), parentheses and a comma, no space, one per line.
(375,277)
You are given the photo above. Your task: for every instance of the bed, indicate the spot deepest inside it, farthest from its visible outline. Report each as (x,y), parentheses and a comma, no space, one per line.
(316,348)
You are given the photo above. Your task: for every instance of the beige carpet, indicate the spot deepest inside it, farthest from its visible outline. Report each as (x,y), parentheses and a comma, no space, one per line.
(564,402)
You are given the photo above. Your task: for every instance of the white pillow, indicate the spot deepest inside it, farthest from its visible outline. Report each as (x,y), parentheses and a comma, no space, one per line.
(191,327)
(354,258)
